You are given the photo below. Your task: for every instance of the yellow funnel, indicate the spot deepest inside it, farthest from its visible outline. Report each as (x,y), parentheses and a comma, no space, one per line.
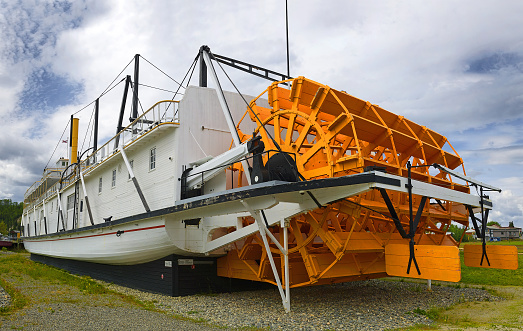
(74,139)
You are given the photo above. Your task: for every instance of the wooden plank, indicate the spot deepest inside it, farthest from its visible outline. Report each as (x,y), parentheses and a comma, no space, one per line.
(500,257)
(435,262)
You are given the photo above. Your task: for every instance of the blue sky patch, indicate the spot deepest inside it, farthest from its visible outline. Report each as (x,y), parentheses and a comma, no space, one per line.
(45,91)
(494,62)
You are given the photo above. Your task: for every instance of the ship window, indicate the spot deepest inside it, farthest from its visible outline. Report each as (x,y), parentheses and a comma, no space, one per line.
(52,205)
(152,159)
(100,185)
(113,181)
(131,164)
(70,202)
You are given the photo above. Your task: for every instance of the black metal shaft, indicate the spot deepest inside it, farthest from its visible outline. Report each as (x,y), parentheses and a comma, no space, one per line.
(95,129)
(287,35)
(203,68)
(135,86)
(122,106)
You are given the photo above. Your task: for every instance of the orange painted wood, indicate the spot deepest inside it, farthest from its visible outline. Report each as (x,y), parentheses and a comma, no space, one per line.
(435,262)
(500,257)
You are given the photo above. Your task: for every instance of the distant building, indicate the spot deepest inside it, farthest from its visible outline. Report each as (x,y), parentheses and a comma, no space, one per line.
(503,232)
(471,233)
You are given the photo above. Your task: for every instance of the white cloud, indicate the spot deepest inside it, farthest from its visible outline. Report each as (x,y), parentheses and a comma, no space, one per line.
(508,208)
(454,67)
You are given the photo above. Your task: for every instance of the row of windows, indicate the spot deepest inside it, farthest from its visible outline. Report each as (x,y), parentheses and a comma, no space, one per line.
(152,166)
(70,198)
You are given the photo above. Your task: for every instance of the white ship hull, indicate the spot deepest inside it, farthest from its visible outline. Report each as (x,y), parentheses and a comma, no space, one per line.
(143,241)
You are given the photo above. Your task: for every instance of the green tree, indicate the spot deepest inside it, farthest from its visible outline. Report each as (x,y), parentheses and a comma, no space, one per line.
(511,224)
(9,212)
(491,223)
(457,232)
(3,228)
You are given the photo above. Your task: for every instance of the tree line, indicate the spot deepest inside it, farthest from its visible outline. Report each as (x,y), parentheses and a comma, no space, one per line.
(9,213)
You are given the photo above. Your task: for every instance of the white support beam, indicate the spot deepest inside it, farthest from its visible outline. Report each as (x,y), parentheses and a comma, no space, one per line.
(45,216)
(36,219)
(215,165)
(432,191)
(285,296)
(60,209)
(135,181)
(287,302)
(87,204)
(221,99)
(226,111)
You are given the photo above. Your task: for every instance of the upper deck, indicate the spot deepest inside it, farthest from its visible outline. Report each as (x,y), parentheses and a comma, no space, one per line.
(55,179)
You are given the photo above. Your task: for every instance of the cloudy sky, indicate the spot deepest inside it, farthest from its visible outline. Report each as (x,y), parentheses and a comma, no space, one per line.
(455,67)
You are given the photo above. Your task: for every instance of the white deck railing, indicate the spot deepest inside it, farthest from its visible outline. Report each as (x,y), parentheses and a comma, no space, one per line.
(165,111)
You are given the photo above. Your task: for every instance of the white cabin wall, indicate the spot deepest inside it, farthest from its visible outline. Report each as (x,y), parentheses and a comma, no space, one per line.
(199,108)
(175,147)
(123,200)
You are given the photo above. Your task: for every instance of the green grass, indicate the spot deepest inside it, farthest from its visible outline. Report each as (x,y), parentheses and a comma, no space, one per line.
(517,243)
(432,313)
(17,266)
(21,265)
(18,301)
(487,276)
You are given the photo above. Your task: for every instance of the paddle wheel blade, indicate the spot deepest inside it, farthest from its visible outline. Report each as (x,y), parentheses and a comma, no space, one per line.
(499,257)
(435,262)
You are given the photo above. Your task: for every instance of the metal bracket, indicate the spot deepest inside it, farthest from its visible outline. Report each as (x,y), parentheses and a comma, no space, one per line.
(480,233)
(413,221)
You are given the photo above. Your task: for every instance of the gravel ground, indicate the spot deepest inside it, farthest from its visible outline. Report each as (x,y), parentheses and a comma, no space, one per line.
(363,305)
(5,299)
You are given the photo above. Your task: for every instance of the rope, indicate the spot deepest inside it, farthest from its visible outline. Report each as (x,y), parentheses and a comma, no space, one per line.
(174,80)
(248,105)
(132,59)
(156,88)
(59,141)
(87,131)
(101,95)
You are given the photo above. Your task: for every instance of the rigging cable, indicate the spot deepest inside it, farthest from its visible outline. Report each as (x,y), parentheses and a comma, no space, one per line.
(174,80)
(156,88)
(141,107)
(59,141)
(101,95)
(249,106)
(87,131)
(107,90)
(193,66)
(225,100)
(132,59)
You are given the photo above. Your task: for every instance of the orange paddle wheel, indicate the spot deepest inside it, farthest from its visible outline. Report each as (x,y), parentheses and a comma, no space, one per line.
(332,134)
